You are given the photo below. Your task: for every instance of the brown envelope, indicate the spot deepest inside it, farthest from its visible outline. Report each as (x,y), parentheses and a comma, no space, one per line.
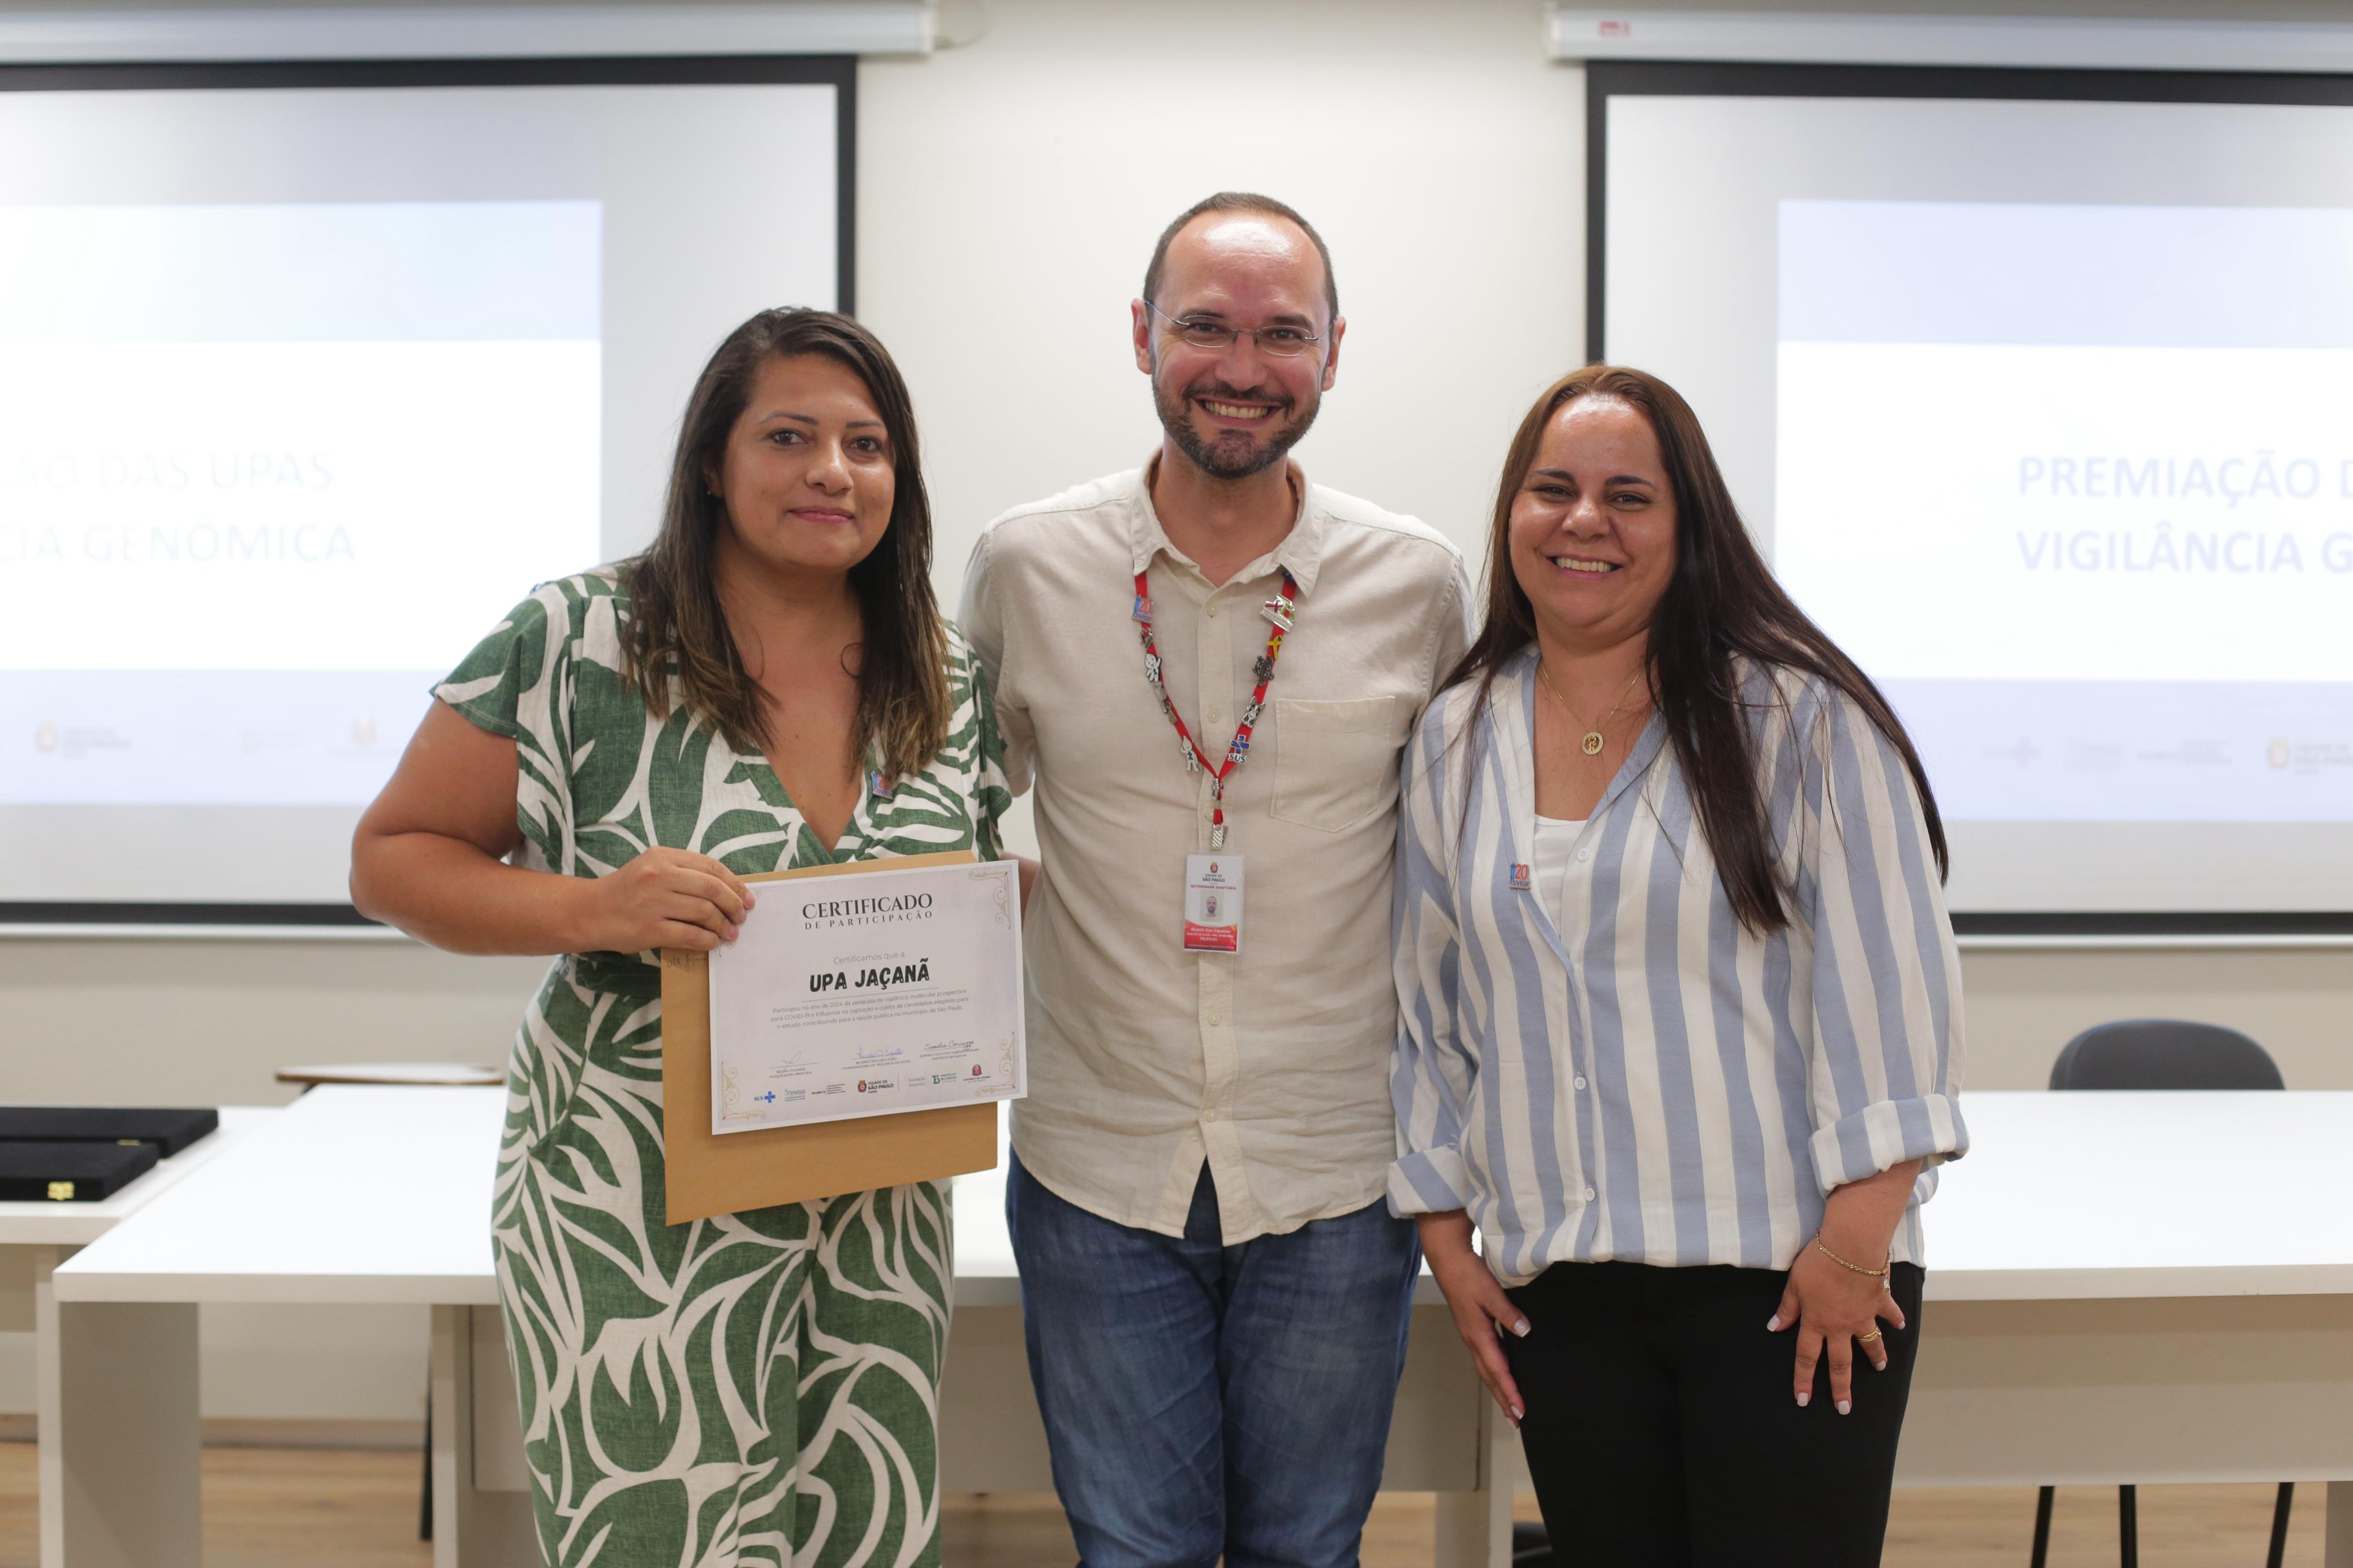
(708,1174)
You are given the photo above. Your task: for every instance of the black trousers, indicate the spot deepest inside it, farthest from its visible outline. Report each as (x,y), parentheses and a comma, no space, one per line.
(1662,1430)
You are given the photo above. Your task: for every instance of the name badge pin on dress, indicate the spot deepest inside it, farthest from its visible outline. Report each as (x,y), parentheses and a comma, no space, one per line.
(1519,876)
(881,784)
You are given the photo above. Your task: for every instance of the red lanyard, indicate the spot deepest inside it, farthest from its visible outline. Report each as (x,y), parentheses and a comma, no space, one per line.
(1279,610)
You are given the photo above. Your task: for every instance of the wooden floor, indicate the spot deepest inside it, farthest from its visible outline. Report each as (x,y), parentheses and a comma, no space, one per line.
(312,1508)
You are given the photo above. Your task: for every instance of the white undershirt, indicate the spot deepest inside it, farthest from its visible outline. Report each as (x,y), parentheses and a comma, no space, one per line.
(1555,838)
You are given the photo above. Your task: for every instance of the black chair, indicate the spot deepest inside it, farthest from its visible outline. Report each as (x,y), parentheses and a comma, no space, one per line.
(2160,1053)
(2164,1053)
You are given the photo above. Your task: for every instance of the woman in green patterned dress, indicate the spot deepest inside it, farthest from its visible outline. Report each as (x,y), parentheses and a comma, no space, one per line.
(769,686)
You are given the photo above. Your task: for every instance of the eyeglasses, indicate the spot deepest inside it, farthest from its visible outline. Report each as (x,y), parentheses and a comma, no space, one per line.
(1284,343)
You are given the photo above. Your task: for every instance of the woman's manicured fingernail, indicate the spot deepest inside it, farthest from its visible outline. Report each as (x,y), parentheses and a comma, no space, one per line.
(1846,1407)
(1773,1324)
(1879,1366)
(1521,1328)
(1803,1399)
(1518,1414)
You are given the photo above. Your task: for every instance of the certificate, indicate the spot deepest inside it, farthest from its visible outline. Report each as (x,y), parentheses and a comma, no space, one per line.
(867,993)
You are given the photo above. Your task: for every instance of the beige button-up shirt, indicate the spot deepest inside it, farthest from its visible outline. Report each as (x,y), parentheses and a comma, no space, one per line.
(1271,1065)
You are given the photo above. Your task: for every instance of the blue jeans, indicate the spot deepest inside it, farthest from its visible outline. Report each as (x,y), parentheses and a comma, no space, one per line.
(1201,1398)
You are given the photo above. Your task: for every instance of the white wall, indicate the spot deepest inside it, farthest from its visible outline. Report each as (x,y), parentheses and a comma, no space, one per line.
(1010,193)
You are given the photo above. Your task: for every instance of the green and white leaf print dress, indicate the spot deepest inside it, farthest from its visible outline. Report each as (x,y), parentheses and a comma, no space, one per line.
(760,1388)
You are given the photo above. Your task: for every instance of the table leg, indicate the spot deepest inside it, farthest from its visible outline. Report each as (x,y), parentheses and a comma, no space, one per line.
(2338,1550)
(16,1285)
(120,1448)
(472,1526)
(1474,1528)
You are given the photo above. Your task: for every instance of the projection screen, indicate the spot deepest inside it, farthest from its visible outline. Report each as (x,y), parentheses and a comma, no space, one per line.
(2038,389)
(308,374)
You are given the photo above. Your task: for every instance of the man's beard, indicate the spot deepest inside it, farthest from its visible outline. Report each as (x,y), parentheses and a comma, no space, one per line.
(1234,454)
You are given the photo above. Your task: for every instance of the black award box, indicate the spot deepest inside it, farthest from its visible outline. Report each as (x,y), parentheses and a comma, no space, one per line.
(168,1130)
(58,1171)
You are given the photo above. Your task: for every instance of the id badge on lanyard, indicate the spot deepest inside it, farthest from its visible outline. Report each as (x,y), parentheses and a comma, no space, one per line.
(1213,903)
(1213,882)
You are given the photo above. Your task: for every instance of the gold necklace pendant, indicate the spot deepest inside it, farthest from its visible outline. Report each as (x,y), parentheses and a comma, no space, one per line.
(1592,744)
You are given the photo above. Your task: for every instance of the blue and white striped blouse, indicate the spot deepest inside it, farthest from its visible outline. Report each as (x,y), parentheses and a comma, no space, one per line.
(1634,1075)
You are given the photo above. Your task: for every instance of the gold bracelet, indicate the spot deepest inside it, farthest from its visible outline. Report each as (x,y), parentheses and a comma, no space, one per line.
(1856,1268)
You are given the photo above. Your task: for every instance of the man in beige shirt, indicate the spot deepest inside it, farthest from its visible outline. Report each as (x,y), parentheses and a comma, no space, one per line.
(1209,668)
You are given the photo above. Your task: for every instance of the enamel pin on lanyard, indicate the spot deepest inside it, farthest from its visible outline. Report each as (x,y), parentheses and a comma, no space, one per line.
(1213,882)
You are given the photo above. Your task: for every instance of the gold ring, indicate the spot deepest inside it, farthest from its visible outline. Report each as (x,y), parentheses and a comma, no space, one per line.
(1866,1339)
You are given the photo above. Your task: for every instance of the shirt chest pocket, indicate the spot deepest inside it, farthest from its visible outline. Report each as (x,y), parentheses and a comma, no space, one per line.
(1336,763)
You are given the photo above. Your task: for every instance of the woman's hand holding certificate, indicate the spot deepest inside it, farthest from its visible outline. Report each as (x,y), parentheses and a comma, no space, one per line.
(663,898)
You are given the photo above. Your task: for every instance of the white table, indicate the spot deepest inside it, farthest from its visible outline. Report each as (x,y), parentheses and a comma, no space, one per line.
(2134,1287)
(378,1194)
(2142,1288)
(350,1195)
(34,1237)
(2145,1288)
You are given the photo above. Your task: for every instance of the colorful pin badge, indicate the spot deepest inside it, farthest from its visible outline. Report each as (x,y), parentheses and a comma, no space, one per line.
(1519,876)
(1142,611)
(881,784)
(1273,610)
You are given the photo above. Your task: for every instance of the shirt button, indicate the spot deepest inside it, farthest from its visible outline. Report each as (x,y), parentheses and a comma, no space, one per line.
(1213,609)
(1580,1081)
(1584,854)
(1208,1113)
(1213,1019)
(1589,1195)
(1215,715)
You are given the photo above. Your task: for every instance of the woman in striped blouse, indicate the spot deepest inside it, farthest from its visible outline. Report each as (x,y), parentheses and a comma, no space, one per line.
(1679,1012)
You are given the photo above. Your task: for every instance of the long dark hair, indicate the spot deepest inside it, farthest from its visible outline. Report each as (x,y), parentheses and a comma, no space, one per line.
(677,627)
(1722,603)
